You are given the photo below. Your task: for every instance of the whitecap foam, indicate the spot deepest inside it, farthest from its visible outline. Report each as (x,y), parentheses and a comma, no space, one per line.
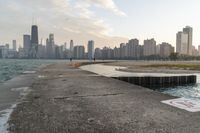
(41,76)
(5,114)
(23,90)
(29,72)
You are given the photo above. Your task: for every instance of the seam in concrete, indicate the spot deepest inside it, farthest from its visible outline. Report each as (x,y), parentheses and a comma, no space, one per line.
(86,96)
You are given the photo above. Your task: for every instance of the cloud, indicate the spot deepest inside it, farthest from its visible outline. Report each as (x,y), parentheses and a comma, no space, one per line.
(109,5)
(67,19)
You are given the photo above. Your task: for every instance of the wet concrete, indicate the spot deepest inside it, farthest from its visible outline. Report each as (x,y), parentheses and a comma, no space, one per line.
(70,100)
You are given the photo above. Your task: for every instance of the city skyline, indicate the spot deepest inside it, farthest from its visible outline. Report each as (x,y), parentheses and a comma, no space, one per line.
(101,21)
(132,49)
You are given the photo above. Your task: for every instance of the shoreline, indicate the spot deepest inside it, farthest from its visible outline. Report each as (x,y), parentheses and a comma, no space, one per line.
(150,66)
(15,90)
(73,100)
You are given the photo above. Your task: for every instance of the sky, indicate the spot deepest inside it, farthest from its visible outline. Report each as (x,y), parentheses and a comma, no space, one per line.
(107,22)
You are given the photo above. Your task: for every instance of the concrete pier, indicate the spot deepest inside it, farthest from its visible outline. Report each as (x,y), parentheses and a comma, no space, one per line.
(69,100)
(158,82)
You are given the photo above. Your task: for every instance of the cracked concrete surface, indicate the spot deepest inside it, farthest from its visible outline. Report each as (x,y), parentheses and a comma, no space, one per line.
(77,102)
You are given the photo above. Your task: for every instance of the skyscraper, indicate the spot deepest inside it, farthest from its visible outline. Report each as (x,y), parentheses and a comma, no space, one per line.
(182,43)
(34,41)
(26,42)
(71,49)
(188,30)
(132,48)
(79,52)
(14,43)
(27,45)
(90,49)
(50,45)
(149,47)
(34,34)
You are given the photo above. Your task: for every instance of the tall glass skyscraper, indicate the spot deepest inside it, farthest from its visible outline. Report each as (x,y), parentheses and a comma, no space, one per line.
(34,34)
(34,41)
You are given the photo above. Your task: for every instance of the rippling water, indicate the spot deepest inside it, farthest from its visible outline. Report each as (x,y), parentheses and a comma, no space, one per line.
(188,91)
(11,68)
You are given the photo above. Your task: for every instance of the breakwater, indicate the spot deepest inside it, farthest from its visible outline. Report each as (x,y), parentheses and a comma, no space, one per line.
(149,80)
(158,82)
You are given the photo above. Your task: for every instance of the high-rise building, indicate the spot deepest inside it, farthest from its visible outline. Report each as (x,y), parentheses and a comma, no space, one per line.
(132,48)
(90,49)
(98,53)
(4,52)
(166,49)
(27,45)
(158,49)
(188,30)
(50,47)
(149,47)
(14,43)
(41,51)
(7,46)
(34,41)
(116,53)
(123,51)
(34,34)
(71,49)
(65,46)
(79,52)
(182,43)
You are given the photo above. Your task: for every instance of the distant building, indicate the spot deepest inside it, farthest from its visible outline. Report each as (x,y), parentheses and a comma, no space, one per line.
(123,51)
(90,49)
(65,46)
(79,52)
(188,30)
(50,47)
(27,45)
(132,50)
(21,53)
(107,53)
(41,51)
(34,41)
(4,52)
(158,49)
(149,47)
(166,49)
(7,46)
(116,53)
(14,43)
(98,53)
(194,51)
(182,43)
(71,48)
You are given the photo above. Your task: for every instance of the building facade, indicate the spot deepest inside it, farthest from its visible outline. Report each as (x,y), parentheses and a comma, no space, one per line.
(90,49)
(182,43)
(149,47)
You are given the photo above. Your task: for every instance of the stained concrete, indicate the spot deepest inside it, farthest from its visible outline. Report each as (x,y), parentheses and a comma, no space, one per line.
(69,100)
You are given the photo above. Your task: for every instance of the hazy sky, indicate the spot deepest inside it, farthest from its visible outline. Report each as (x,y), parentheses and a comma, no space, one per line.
(108,22)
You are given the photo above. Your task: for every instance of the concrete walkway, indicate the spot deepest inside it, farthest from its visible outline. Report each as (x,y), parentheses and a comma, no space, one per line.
(69,100)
